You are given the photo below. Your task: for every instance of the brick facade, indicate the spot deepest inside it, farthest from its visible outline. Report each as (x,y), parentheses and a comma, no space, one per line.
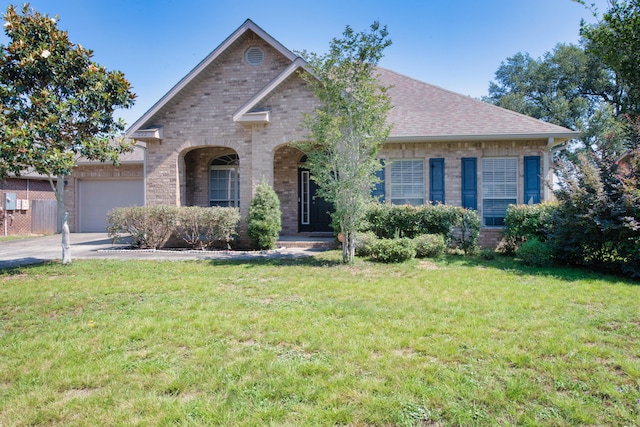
(19,222)
(199,122)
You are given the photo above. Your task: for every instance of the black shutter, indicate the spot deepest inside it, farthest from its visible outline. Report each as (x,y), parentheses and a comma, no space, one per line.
(436,180)
(470,183)
(532,179)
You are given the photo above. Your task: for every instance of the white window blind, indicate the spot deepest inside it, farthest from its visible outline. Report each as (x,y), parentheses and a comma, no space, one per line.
(407,182)
(499,188)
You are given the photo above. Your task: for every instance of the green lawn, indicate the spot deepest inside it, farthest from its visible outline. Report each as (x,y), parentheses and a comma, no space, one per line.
(311,342)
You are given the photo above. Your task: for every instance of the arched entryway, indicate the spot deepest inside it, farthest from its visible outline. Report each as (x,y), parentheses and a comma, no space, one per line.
(212,177)
(302,210)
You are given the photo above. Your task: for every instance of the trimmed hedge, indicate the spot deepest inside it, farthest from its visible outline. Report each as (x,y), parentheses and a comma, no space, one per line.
(205,228)
(459,227)
(152,226)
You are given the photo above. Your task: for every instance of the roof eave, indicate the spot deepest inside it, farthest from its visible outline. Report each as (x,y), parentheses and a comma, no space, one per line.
(559,137)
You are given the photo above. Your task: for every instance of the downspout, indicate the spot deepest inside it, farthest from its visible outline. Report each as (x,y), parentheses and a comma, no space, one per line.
(546,166)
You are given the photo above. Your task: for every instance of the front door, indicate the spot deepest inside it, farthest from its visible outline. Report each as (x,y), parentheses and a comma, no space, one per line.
(313,210)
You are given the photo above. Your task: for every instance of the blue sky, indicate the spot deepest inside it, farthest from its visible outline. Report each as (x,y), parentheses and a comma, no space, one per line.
(455,44)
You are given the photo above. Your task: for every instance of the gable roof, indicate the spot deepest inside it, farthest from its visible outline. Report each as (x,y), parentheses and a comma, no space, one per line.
(248,25)
(423,112)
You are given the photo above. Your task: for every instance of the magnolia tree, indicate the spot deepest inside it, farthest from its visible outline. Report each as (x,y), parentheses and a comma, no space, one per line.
(348,127)
(57,105)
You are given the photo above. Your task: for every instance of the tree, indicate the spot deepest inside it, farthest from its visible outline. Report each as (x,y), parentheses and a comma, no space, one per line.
(348,127)
(565,87)
(614,39)
(57,104)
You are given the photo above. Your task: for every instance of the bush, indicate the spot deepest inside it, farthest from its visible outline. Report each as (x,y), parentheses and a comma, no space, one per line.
(220,225)
(524,222)
(488,254)
(535,253)
(598,222)
(469,231)
(150,226)
(365,242)
(429,245)
(390,221)
(393,250)
(204,228)
(264,218)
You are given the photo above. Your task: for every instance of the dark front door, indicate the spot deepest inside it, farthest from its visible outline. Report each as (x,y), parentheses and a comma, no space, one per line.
(313,211)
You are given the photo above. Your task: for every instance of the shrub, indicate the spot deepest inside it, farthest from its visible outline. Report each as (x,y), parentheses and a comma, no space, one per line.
(488,254)
(203,227)
(469,231)
(264,218)
(523,222)
(535,253)
(364,243)
(597,224)
(393,250)
(429,245)
(150,226)
(190,227)
(220,225)
(389,221)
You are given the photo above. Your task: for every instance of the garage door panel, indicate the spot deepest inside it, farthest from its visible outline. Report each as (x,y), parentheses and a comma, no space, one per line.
(97,198)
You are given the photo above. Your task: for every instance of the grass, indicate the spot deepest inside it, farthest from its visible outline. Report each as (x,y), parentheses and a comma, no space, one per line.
(310,342)
(18,237)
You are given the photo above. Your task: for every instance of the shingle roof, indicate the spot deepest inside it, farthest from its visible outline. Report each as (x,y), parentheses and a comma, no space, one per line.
(425,112)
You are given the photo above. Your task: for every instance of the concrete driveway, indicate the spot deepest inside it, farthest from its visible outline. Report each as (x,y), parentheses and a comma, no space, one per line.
(98,246)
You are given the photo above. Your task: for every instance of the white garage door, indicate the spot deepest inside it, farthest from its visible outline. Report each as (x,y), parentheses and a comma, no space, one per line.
(96,198)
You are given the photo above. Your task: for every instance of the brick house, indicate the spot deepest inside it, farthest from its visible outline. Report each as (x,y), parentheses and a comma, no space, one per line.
(230,122)
(28,206)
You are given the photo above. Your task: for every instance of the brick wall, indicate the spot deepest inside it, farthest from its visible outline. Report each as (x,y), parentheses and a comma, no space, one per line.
(285,183)
(19,222)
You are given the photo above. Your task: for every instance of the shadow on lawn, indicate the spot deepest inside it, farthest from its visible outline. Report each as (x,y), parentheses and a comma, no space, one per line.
(566,273)
(320,260)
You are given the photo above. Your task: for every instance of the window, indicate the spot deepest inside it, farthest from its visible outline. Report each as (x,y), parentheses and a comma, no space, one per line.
(305,198)
(224,181)
(407,182)
(499,188)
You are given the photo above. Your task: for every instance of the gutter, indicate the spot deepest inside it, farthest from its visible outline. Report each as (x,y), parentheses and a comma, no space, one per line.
(558,137)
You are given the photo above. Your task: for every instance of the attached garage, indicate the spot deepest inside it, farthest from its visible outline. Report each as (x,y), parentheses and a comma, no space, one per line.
(97,197)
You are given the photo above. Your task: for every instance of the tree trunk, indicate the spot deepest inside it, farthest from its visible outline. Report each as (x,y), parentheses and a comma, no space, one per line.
(62,217)
(348,246)
(62,211)
(66,242)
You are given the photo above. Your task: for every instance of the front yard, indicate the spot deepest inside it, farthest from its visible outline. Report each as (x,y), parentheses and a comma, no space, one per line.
(311,342)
